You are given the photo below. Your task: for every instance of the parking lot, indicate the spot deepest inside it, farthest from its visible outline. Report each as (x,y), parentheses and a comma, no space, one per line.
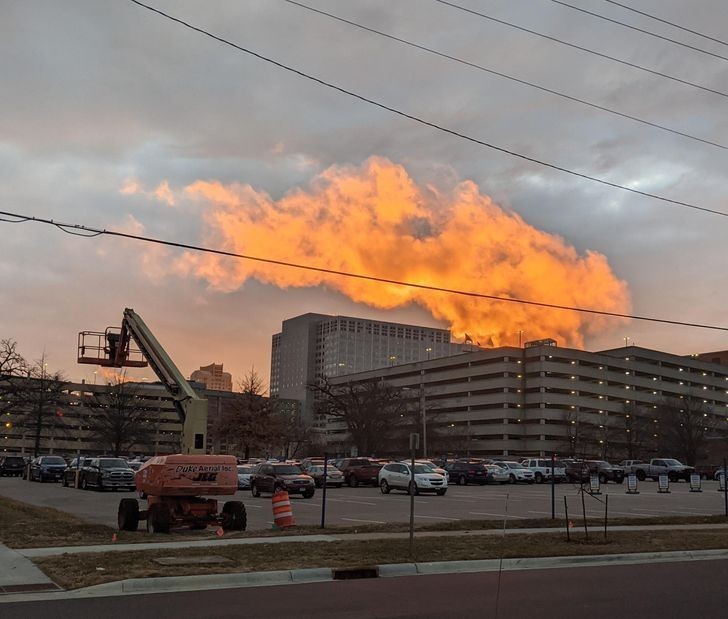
(367,505)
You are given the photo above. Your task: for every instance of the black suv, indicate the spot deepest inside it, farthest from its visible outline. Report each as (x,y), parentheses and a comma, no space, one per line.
(69,475)
(44,468)
(12,466)
(105,473)
(271,477)
(462,473)
(579,471)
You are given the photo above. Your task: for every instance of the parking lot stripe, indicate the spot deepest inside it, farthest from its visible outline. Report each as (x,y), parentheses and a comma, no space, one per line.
(361,520)
(435,517)
(497,515)
(350,501)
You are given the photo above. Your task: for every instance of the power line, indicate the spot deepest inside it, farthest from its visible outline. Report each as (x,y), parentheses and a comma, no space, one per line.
(669,23)
(428,123)
(581,48)
(86,231)
(504,75)
(643,31)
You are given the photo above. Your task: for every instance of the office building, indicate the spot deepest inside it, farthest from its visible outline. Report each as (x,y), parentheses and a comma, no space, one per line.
(213,377)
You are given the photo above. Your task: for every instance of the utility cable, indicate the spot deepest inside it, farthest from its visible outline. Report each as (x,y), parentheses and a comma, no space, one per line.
(643,31)
(669,23)
(580,48)
(428,123)
(89,231)
(504,75)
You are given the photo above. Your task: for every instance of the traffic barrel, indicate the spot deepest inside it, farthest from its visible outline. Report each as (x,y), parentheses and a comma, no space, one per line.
(282,510)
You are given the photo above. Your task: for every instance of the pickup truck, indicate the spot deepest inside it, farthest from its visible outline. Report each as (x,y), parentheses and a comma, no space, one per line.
(541,468)
(663,466)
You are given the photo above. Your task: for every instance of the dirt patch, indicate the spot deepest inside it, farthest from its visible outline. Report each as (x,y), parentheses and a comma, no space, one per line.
(80,570)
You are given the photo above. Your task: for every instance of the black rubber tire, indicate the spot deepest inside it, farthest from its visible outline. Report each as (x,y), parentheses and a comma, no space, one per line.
(65,481)
(100,486)
(641,475)
(308,494)
(234,516)
(128,515)
(539,477)
(462,480)
(413,489)
(84,484)
(619,480)
(353,481)
(158,518)
(603,479)
(254,490)
(442,492)
(384,486)
(512,479)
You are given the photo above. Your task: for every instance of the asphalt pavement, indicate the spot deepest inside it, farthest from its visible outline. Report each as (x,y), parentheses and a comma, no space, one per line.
(659,591)
(366,505)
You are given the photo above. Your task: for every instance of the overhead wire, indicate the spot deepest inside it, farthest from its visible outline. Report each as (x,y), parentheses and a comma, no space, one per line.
(76,228)
(669,23)
(504,75)
(642,30)
(580,47)
(425,122)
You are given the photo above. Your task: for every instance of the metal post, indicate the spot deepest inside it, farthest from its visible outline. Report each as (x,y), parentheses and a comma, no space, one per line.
(606,512)
(583,511)
(553,487)
(423,411)
(566,516)
(323,500)
(725,486)
(412,488)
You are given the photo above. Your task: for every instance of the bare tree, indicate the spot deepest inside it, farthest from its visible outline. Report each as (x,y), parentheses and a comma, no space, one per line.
(373,410)
(684,425)
(119,419)
(12,367)
(630,432)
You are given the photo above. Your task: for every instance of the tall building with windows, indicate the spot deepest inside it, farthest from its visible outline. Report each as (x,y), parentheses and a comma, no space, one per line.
(311,346)
(213,377)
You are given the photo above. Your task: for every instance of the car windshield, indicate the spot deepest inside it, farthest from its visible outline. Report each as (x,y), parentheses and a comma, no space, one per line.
(15,459)
(245,469)
(672,462)
(287,469)
(53,460)
(423,468)
(113,463)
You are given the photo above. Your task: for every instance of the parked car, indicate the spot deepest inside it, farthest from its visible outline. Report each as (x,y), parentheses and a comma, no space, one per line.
(12,465)
(103,473)
(135,465)
(631,466)
(334,477)
(433,467)
(580,471)
(463,473)
(46,468)
(719,472)
(516,471)
(269,477)
(359,471)
(497,474)
(309,462)
(541,468)
(245,472)
(398,476)
(69,475)
(674,470)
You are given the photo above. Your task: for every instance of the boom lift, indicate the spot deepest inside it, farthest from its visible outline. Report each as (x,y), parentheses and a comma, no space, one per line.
(113,348)
(172,484)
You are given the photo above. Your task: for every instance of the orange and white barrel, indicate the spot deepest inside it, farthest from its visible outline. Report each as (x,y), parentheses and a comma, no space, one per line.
(282,510)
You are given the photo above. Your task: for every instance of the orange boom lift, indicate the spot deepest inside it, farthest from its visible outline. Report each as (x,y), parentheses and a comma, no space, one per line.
(173,485)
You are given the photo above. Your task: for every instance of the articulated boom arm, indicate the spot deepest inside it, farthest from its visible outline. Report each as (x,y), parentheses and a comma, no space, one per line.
(117,352)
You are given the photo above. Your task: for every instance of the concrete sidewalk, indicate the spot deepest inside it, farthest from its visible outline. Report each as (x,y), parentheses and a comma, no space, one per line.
(19,574)
(31,553)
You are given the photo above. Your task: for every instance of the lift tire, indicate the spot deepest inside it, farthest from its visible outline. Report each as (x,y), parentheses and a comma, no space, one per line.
(234,516)
(158,518)
(128,517)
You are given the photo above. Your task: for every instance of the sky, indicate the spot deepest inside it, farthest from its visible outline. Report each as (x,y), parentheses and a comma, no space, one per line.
(114,117)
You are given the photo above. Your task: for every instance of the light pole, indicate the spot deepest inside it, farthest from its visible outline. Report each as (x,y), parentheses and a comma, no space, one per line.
(423,412)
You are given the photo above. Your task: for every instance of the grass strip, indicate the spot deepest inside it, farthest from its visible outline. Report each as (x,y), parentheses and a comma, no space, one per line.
(81,570)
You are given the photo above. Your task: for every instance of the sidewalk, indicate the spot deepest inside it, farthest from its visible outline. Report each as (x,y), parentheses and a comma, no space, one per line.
(30,553)
(19,574)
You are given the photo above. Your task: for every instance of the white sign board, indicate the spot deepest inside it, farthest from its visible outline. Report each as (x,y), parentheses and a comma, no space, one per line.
(663,483)
(594,483)
(695,483)
(632,483)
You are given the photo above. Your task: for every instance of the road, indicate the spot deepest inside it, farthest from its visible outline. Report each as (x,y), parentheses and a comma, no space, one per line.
(366,505)
(674,590)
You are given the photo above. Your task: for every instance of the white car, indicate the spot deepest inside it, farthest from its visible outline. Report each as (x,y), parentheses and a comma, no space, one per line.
(517,472)
(541,468)
(497,474)
(398,475)
(244,473)
(434,468)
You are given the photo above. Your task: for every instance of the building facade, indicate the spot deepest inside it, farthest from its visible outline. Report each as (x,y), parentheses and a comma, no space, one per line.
(312,346)
(213,377)
(542,399)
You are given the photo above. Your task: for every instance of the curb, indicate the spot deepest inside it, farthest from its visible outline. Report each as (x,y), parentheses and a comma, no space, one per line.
(145,586)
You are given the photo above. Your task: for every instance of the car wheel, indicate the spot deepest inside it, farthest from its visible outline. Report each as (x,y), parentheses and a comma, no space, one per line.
(603,479)
(128,515)
(339,485)
(511,479)
(234,517)
(462,480)
(641,475)
(353,481)
(100,486)
(254,490)
(65,481)
(309,494)
(412,488)
(619,480)
(158,518)
(84,484)
(442,492)
(539,478)
(384,487)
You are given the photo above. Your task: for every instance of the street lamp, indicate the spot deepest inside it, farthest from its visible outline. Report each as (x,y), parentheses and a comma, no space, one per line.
(423,415)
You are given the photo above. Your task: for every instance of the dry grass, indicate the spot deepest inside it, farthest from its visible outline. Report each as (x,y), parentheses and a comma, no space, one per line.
(28,526)
(80,570)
